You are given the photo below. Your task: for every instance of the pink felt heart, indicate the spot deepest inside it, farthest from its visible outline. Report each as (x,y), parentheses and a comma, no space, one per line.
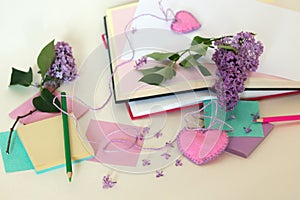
(202,146)
(185,22)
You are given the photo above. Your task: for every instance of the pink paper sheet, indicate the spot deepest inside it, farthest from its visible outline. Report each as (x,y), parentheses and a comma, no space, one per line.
(112,146)
(24,108)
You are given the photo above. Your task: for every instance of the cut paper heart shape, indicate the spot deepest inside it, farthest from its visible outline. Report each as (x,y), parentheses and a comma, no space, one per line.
(202,146)
(185,22)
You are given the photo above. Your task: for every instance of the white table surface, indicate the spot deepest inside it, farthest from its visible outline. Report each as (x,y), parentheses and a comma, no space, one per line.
(271,172)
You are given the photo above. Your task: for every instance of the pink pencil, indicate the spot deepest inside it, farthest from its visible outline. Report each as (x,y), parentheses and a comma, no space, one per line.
(279,118)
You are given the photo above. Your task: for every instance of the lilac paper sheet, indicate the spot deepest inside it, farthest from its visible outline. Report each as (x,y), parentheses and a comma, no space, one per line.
(244,146)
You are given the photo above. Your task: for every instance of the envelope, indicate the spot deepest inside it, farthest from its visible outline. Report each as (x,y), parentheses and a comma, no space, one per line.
(114,143)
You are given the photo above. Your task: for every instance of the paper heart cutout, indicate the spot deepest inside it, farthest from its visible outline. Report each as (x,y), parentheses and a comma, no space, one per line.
(185,22)
(202,146)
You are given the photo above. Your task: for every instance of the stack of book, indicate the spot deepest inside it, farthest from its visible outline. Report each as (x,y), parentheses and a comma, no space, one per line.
(127,43)
(131,34)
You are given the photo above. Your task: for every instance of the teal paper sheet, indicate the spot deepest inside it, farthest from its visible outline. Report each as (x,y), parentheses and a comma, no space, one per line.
(17,159)
(243,119)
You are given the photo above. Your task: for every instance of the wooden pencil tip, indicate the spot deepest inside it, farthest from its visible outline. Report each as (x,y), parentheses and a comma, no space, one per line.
(70,176)
(260,120)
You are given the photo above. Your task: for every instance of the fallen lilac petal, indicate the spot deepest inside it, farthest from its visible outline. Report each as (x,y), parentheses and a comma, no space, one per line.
(158,134)
(169,144)
(166,155)
(159,174)
(107,182)
(255,116)
(248,129)
(178,163)
(146,162)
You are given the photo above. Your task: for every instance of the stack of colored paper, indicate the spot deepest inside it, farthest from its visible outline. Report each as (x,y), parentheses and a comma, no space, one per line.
(42,145)
(246,134)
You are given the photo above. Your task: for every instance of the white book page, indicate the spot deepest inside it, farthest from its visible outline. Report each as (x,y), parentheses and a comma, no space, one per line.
(159,104)
(278,28)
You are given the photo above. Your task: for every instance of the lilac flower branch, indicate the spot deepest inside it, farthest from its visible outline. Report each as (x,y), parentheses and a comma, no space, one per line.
(56,66)
(234,56)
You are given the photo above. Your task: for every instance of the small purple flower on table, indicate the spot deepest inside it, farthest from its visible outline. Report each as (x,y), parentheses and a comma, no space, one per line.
(145,130)
(169,144)
(166,155)
(247,129)
(107,182)
(178,163)
(255,116)
(146,162)
(158,134)
(159,174)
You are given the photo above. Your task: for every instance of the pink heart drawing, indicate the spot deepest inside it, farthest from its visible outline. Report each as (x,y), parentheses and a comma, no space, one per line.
(202,146)
(185,22)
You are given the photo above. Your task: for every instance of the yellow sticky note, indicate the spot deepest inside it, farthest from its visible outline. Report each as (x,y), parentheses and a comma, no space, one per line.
(44,143)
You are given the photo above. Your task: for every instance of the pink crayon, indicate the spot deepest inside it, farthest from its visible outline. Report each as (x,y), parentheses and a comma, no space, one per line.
(279,118)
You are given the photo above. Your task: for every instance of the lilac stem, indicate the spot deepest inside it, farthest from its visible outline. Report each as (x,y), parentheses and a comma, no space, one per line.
(13,127)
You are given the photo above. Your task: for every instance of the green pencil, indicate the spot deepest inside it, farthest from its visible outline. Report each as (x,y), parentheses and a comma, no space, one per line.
(66,136)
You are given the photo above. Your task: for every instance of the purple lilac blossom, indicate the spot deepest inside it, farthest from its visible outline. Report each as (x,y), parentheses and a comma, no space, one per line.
(233,67)
(166,155)
(158,134)
(247,129)
(145,130)
(107,182)
(140,62)
(159,174)
(169,144)
(178,163)
(63,69)
(146,162)
(255,116)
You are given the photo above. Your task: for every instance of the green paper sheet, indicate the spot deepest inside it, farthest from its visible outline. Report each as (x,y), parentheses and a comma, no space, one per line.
(17,159)
(242,120)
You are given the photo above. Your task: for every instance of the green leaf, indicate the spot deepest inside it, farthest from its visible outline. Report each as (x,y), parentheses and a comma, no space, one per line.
(156,75)
(161,56)
(200,49)
(198,40)
(152,79)
(230,48)
(166,72)
(190,61)
(150,70)
(43,102)
(203,70)
(174,57)
(21,78)
(46,58)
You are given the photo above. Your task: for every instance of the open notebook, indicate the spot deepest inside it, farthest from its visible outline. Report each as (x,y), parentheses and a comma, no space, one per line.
(44,143)
(125,79)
